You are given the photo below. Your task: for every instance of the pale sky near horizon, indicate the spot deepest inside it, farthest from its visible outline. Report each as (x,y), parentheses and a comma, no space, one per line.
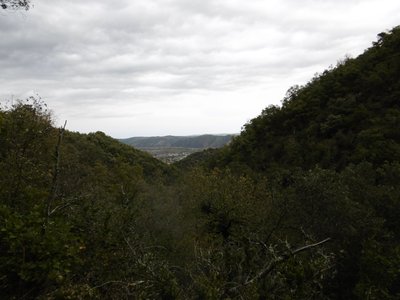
(179,67)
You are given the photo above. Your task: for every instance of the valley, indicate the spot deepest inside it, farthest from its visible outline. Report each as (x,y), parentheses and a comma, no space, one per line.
(170,149)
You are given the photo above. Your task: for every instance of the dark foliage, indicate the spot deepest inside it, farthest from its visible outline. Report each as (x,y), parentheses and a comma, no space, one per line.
(333,149)
(348,114)
(15,4)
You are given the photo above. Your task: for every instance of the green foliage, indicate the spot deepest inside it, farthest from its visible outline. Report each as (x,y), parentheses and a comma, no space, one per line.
(239,235)
(332,153)
(26,136)
(73,237)
(34,261)
(348,114)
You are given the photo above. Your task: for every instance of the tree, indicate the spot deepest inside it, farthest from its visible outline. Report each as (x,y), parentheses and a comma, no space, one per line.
(242,246)
(15,4)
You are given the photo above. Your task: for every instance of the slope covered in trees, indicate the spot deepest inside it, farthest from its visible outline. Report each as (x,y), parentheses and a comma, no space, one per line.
(348,114)
(304,204)
(68,205)
(83,216)
(333,148)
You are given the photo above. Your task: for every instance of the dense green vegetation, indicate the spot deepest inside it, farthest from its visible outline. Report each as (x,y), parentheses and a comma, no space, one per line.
(333,146)
(303,204)
(349,114)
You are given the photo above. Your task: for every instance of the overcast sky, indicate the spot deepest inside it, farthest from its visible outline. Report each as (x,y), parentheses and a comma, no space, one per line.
(158,67)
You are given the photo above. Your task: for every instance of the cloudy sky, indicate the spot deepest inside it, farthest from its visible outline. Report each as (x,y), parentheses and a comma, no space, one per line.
(158,67)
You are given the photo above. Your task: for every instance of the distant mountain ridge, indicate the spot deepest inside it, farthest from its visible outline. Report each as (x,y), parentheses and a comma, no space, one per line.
(194,141)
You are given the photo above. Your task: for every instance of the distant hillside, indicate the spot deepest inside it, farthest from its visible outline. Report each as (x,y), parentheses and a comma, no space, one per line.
(199,142)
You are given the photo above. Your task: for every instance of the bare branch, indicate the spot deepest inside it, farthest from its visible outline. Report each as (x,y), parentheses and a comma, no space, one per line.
(270,266)
(127,284)
(301,249)
(60,207)
(54,184)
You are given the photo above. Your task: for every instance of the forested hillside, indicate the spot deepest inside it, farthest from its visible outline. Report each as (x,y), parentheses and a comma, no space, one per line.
(333,148)
(303,204)
(348,114)
(68,205)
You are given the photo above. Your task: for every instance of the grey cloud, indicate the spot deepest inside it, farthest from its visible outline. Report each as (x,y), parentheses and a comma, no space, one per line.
(93,59)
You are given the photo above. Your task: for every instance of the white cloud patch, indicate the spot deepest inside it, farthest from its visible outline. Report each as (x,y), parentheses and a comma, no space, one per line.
(153,67)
